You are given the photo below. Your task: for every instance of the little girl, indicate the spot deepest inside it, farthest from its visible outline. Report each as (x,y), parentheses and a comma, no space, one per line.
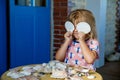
(80,49)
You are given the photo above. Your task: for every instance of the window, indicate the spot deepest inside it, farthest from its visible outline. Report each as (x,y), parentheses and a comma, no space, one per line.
(41,3)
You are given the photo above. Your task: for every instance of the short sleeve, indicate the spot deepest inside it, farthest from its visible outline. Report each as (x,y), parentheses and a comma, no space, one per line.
(94,45)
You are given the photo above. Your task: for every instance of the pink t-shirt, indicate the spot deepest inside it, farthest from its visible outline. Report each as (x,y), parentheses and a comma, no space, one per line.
(74,54)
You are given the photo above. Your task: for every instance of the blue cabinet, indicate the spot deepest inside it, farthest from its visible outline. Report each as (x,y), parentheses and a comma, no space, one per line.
(29,32)
(3,49)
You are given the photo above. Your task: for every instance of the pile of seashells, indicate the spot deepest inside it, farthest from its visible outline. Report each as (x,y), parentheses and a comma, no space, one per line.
(55,68)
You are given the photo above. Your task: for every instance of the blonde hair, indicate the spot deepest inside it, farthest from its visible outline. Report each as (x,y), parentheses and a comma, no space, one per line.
(83,15)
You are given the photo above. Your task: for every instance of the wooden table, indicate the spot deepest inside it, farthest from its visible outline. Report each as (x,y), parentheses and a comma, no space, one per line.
(47,76)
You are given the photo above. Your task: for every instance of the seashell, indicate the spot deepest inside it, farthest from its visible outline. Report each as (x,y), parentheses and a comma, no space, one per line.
(84,70)
(91,77)
(83,27)
(69,26)
(26,67)
(26,73)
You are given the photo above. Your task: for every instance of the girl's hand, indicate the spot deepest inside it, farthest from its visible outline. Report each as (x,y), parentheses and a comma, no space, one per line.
(81,36)
(68,36)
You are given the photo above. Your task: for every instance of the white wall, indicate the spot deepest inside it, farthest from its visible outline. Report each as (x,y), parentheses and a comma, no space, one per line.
(98,7)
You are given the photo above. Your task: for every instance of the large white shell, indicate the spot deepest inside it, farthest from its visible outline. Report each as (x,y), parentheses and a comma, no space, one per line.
(69,26)
(26,67)
(91,77)
(26,73)
(83,27)
(85,70)
(58,74)
(38,67)
(15,74)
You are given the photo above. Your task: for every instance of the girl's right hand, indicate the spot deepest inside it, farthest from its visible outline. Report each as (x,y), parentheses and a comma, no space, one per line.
(68,36)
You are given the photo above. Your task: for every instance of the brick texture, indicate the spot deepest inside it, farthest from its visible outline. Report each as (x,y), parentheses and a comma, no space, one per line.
(59,15)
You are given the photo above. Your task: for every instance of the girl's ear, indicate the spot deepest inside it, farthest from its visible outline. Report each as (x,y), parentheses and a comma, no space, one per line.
(69,26)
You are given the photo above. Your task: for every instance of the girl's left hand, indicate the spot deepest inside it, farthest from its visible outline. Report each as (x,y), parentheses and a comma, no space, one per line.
(81,36)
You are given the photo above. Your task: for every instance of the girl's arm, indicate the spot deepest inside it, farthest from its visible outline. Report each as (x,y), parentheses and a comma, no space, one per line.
(89,55)
(61,53)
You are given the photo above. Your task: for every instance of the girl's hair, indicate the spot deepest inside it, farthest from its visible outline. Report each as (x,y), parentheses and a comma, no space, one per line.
(83,15)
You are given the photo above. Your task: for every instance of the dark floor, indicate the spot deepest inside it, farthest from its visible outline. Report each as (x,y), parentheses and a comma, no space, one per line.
(110,71)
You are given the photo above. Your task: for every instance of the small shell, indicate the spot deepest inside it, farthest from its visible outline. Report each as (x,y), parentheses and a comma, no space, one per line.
(91,77)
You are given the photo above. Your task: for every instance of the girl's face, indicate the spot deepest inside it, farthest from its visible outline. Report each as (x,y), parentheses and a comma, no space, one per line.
(75,32)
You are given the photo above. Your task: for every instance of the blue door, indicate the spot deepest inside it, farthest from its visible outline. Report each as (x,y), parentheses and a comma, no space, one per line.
(29,32)
(3,48)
